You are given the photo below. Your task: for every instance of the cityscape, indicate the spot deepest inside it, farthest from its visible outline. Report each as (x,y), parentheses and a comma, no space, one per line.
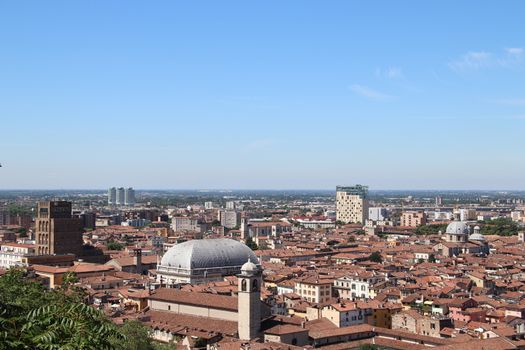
(277,175)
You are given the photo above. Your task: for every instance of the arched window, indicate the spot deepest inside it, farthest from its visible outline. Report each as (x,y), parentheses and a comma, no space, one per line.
(255,285)
(243,286)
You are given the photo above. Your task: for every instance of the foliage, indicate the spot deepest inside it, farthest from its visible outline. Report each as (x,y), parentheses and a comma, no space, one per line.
(15,209)
(22,232)
(430,229)
(115,246)
(500,227)
(251,243)
(360,232)
(32,317)
(431,258)
(375,257)
(216,223)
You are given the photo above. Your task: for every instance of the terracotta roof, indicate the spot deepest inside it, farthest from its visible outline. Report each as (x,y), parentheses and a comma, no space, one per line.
(198,299)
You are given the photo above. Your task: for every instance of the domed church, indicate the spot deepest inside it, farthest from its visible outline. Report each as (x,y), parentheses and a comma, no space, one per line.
(459,240)
(203,260)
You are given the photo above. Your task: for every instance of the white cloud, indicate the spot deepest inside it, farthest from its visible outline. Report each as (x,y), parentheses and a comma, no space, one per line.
(476,60)
(515,51)
(370,93)
(472,60)
(389,73)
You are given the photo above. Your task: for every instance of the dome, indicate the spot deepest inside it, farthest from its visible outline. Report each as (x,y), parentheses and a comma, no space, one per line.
(458,228)
(476,237)
(208,253)
(249,267)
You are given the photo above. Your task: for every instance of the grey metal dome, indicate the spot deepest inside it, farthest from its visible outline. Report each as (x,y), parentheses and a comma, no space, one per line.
(476,237)
(458,228)
(208,253)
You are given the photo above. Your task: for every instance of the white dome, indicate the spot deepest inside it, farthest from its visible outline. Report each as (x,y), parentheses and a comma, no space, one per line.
(249,267)
(476,237)
(458,228)
(208,253)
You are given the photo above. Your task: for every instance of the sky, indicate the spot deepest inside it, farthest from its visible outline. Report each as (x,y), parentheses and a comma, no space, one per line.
(262,94)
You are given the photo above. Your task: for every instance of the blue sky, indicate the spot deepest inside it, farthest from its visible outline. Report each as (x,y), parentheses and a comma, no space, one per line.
(267,94)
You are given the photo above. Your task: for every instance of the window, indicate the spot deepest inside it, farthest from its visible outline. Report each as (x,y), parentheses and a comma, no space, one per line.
(243,286)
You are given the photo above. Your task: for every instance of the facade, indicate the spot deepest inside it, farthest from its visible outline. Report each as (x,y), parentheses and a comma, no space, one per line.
(249,296)
(129,196)
(313,289)
(203,260)
(344,314)
(352,204)
(183,223)
(112,196)
(377,214)
(229,218)
(56,231)
(13,254)
(358,285)
(413,218)
(120,196)
(414,322)
(467,214)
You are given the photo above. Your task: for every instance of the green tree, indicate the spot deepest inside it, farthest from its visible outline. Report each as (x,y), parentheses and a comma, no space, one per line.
(500,227)
(137,337)
(251,243)
(430,229)
(115,246)
(375,257)
(431,258)
(32,317)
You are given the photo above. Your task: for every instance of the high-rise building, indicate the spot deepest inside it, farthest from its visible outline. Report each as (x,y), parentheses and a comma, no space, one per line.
(112,196)
(351,204)
(129,196)
(439,200)
(57,231)
(121,196)
(230,205)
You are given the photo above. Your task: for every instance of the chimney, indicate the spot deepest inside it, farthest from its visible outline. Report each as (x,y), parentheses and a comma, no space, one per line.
(137,260)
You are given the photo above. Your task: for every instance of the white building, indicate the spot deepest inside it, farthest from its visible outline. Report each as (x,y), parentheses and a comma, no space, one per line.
(357,285)
(352,204)
(12,254)
(112,196)
(377,214)
(120,196)
(183,223)
(129,196)
(316,224)
(208,205)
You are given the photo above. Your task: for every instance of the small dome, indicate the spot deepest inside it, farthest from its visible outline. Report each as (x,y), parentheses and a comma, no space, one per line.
(476,237)
(249,267)
(458,228)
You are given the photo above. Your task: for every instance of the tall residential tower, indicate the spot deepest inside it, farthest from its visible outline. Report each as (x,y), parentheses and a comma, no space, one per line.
(351,204)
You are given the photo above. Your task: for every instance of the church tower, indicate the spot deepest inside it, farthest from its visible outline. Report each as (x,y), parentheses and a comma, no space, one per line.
(249,299)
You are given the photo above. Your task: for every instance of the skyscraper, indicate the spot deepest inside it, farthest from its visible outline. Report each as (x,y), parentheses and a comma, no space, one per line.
(351,203)
(129,196)
(112,196)
(121,196)
(57,232)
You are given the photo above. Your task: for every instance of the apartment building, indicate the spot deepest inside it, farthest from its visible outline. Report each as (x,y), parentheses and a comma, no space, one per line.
(352,204)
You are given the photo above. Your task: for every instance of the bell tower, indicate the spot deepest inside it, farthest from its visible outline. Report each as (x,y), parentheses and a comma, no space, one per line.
(249,299)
